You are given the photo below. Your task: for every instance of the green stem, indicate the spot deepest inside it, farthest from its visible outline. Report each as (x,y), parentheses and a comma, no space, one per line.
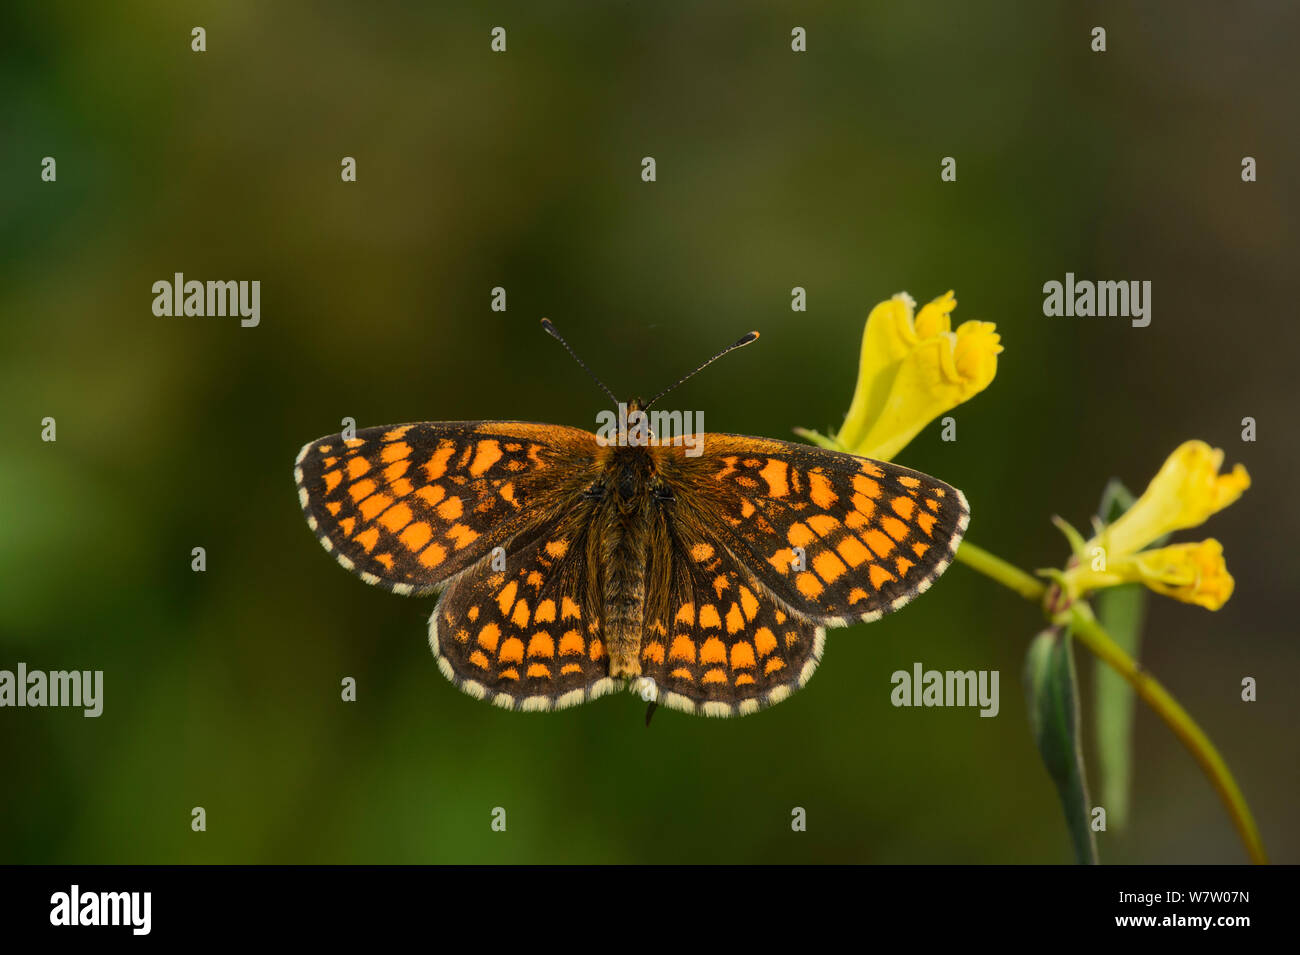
(1079,617)
(1090,633)
(977,558)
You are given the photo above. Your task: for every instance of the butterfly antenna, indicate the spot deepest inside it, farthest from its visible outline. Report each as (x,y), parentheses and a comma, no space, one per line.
(752,336)
(551,330)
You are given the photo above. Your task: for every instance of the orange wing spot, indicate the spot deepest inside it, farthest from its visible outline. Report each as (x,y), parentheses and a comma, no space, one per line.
(324,448)
(780,615)
(782,560)
(701,552)
(373,505)
(461,535)
(334,507)
(820,490)
(791,638)
(332,479)
(479,659)
(329,462)
(748,603)
(653,652)
(415,536)
(746,507)
(357,467)
(506,598)
(368,538)
(742,656)
(823,524)
(910,482)
(720,583)
(808,585)
(431,494)
(539,671)
(353,442)
(510,673)
(866,487)
(512,650)
(765,641)
(709,617)
(775,474)
(681,673)
(919,549)
(541,645)
(683,649)
(571,643)
(773,664)
(735,619)
(932,505)
(395,470)
(395,452)
(878,542)
(545,612)
(487,454)
(744,679)
(713,651)
(856,595)
(903,565)
(489,636)
(799,534)
(864,505)
(401,487)
(557,549)
(520,617)
(870,467)
(396,434)
(473,613)
(855,521)
(396,517)
(926,523)
(436,466)
(570,668)
(879,576)
(535,580)
(451,509)
(829,567)
(894,528)
(385,559)
(461,635)
(346,525)
(853,550)
(686,614)
(903,507)
(596,651)
(569,610)
(657,628)
(714,676)
(362,490)
(507,492)
(433,555)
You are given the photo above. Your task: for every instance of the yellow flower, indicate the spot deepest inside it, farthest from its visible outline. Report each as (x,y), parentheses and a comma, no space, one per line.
(912,370)
(1185,492)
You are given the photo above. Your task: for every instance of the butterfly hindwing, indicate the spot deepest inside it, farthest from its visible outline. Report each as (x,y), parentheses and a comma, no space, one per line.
(527,636)
(408,506)
(836,537)
(716,642)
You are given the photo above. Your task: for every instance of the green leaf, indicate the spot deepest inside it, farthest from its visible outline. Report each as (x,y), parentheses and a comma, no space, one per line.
(1121,611)
(1053,695)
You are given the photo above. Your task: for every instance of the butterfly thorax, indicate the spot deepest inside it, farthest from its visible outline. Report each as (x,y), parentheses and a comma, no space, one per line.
(628,500)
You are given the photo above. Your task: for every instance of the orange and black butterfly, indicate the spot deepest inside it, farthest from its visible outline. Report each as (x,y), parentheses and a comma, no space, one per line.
(572,566)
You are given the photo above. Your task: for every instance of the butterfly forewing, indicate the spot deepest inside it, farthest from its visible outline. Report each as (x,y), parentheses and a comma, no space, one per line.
(409,506)
(836,537)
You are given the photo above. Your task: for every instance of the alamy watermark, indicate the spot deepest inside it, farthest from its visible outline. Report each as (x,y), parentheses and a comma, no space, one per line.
(639,429)
(76,688)
(1085,299)
(213,299)
(923,687)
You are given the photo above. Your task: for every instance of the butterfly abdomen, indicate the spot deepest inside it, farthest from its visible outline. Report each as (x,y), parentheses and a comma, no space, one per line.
(626,523)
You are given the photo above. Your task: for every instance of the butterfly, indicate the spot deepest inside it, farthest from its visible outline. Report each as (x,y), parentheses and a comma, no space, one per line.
(700,571)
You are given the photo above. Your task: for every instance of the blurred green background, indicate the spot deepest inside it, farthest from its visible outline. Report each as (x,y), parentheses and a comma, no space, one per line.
(522,170)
